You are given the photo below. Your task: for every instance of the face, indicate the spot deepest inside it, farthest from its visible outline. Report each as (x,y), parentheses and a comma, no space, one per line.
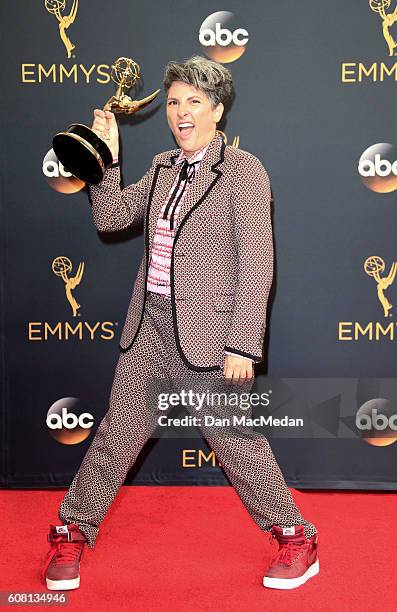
(188,105)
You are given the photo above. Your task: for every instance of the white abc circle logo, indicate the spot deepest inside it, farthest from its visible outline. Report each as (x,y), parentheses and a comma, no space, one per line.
(70,420)
(377,167)
(377,422)
(57,177)
(67,423)
(222,38)
(53,168)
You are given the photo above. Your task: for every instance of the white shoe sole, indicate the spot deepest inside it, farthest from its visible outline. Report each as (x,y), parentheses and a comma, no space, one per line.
(63,585)
(291,583)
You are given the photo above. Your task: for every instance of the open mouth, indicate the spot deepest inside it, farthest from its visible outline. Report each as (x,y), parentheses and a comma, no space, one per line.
(185,129)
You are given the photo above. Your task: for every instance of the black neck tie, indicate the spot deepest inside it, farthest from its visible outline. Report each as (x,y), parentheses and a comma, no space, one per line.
(186,175)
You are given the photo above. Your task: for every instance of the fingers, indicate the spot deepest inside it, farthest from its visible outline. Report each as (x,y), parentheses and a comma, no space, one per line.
(238,373)
(243,374)
(105,116)
(104,120)
(105,126)
(100,118)
(99,125)
(110,116)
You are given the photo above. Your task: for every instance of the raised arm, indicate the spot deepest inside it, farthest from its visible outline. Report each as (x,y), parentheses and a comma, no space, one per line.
(114,208)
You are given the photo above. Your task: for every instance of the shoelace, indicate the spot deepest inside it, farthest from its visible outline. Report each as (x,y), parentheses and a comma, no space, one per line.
(65,552)
(288,553)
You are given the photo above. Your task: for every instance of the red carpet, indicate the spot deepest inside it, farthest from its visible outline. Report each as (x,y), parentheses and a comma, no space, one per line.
(196,548)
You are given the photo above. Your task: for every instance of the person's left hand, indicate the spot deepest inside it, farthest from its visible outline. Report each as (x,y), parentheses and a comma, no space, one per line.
(238,370)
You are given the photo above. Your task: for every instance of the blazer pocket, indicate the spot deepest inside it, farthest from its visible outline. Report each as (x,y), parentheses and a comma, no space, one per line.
(223,302)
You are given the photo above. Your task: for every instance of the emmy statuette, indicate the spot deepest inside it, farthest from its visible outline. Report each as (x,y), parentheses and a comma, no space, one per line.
(79,149)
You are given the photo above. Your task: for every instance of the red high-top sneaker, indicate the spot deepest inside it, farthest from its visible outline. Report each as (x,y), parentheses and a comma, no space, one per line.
(295,561)
(62,567)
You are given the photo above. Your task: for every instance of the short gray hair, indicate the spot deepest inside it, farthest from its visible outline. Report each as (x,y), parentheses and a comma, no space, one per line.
(210,77)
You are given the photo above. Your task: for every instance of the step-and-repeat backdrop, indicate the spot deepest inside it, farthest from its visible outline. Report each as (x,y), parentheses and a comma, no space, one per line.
(315,87)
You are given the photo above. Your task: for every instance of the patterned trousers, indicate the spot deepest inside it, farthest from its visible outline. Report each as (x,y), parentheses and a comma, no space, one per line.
(245,455)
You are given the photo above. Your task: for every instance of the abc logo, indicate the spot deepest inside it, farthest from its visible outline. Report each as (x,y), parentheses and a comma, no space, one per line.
(222,38)
(377,168)
(57,177)
(67,423)
(377,422)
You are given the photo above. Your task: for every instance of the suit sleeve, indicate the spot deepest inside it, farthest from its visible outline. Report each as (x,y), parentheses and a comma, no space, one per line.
(114,208)
(236,355)
(250,207)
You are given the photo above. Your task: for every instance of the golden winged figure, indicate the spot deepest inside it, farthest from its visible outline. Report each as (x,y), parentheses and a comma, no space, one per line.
(388,20)
(125,72)
(70,284)
(61,266)
(125,104)
(374,266)
(54,7)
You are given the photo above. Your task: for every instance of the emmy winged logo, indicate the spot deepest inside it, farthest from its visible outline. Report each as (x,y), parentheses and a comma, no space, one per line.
(78,329)
(62,266)
(377,71)
(387,21)
(374,330)
(375,266)
(56,8)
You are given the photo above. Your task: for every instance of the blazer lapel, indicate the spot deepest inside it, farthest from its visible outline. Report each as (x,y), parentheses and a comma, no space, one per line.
(165,175)
(205,178)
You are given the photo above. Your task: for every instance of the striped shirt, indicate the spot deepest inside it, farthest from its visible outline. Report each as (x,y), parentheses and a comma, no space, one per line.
(158,279)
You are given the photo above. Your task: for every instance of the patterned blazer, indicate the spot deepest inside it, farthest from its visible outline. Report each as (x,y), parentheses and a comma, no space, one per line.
(222,258)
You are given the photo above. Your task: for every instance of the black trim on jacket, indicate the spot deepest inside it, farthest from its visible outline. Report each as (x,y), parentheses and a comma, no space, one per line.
(242,353)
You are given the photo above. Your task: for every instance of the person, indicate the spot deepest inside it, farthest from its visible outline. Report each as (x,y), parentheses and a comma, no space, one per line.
(197,314)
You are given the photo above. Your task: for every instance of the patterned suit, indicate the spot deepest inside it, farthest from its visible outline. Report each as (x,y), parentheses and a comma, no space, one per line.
(221,273)
(221,270)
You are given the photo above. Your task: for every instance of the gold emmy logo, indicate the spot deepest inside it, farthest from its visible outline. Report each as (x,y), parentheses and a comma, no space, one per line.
(388,19)
(374,266)
(55,7)
(61,266)
(236,139)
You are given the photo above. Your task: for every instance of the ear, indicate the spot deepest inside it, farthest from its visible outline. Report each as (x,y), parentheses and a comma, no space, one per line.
(218,111)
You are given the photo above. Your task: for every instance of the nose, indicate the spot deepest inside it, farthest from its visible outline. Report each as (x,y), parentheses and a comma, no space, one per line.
(182,110)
